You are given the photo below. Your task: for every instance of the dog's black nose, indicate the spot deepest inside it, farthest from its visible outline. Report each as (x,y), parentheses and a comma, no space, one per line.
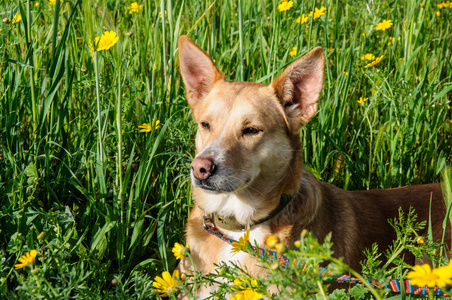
(202,168)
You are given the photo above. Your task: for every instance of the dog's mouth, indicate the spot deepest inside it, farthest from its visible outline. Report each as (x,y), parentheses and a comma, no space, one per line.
(210,185)
(217,184)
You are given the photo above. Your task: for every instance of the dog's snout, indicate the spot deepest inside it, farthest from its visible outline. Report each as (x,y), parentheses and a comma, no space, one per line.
(202,168)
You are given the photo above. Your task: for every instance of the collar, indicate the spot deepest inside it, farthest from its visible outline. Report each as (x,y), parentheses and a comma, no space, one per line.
(230,223)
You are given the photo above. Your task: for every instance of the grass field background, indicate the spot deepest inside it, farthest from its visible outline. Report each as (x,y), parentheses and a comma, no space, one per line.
(103,203)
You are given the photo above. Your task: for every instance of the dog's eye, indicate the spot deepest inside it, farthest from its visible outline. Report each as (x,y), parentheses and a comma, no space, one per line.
(250,131)
(205,125)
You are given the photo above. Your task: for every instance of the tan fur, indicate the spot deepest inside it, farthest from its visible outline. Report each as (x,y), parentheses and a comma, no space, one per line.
(249,153)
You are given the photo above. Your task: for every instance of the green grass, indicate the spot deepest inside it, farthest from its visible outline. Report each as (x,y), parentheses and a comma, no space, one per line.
(101,201)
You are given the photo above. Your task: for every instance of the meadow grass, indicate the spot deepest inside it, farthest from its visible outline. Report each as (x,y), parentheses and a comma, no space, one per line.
(103,203)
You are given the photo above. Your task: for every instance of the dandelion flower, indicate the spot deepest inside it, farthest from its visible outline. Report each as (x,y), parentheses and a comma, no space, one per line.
(52,2)
(180,251)
(28,258)
(147,127)
(106,41)
(17,18)
(293,51)
(374,63)
(425,276)
(362,100)
(238,246)
(285,5)
(383,25)
(319,12)
(368,56)
(440,6)
(166,285)
(134,8)
(272,241)
(248,294)
(438,14)
(303,19)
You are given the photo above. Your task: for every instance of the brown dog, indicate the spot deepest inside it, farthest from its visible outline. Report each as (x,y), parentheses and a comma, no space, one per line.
(249,156)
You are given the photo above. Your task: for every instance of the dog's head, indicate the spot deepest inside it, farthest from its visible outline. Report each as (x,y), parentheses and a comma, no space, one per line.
(247,139)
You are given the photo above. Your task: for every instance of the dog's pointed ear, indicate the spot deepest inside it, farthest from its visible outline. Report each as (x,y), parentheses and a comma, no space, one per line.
(199,73)
(298,88)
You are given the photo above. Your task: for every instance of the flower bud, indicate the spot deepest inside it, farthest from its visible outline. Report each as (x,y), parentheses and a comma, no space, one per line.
(114,281)
(420,240)
(281,248)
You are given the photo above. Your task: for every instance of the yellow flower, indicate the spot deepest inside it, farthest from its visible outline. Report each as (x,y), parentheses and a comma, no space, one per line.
(425,276)
(368,56)
(134,8)
(52,2)
(248,294)
(310,14)
(374,63)
(28,258)
(383,25)
(329,50)
(106,41)
(440,6)
(293,52)
(146,127)
(362,100)
(303,19)
(285,5)
(180,251)
(272,241)
(421,5)
(438,14)
(447,4)
(238,246)
(319,12)
(345,73)
(166,285)
(17,18)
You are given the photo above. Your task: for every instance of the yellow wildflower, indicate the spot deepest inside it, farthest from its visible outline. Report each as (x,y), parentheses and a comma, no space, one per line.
(147,127)
(345,73)
(421,5)
(319,12)
(293,51)
(52,2)
(368,56)
(303,19)
(180,251)
(17,18)
(374,63)
(106,41)
(272,241)
(438,14)
(25,260)
(425,276)
(248,294)
(310,14)
(362,100)
(285,5)
(440,6)
(238,246)
(166,285)
(134,7)
(383,25)
(447,4)
(329,50)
